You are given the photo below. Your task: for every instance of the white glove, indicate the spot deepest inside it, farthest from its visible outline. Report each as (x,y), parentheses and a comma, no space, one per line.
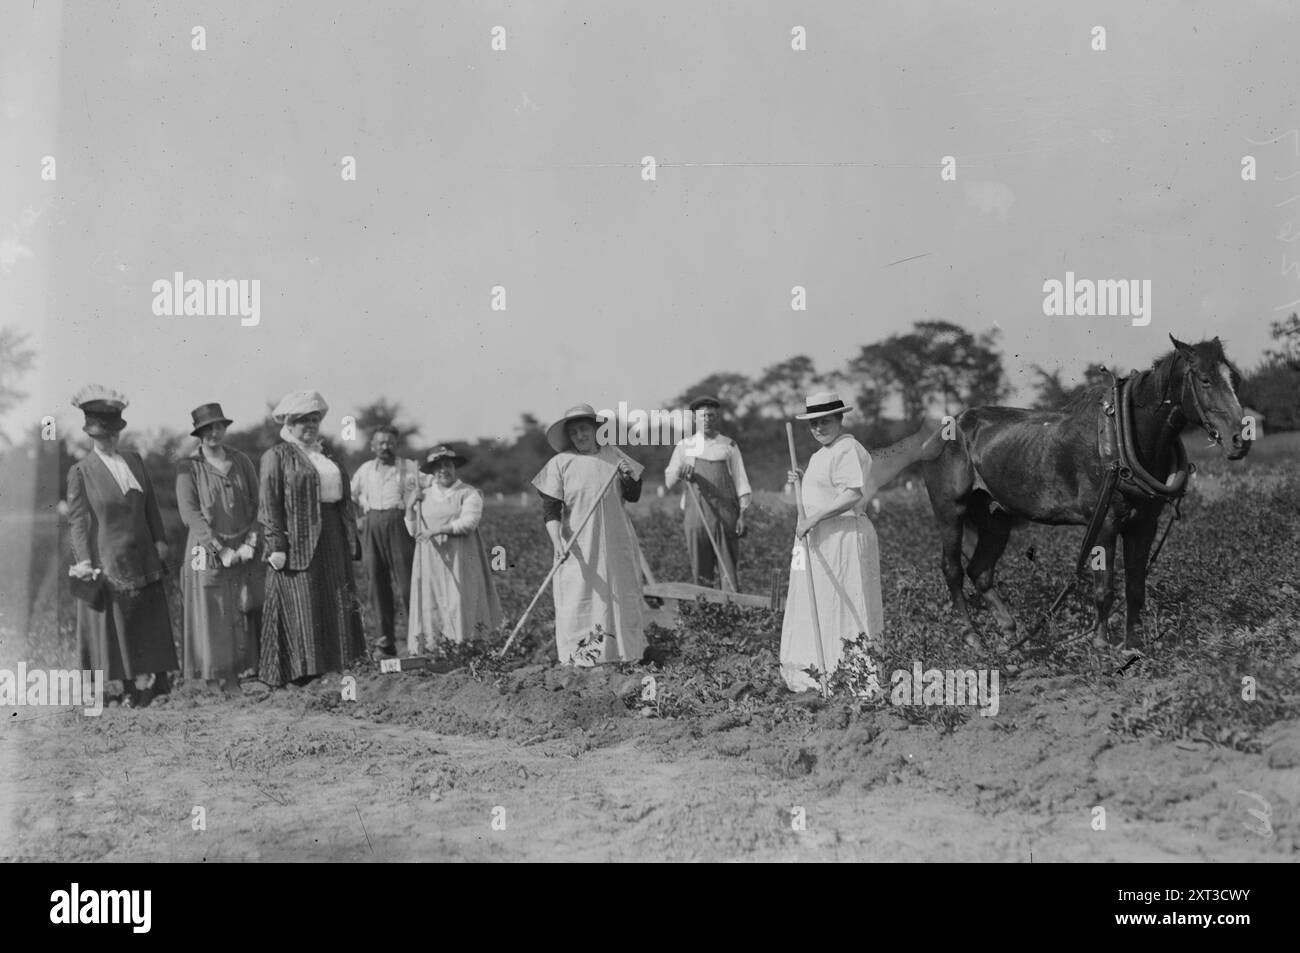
(83,570)
(277,560)
(245,553)
(227,557)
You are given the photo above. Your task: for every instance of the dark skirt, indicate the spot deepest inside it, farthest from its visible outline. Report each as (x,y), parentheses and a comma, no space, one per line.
(311,622)
(220,639)
(130,636)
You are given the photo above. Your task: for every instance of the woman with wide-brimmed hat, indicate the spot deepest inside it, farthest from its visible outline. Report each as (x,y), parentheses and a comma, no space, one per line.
(453,594)
(222,580)
(844,555)
(843,552)
(311,621)
(118,547)
(598,585)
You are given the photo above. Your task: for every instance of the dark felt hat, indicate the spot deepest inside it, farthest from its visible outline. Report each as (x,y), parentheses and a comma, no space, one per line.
(102,408)
(438,454)
(200,417)
(706,401)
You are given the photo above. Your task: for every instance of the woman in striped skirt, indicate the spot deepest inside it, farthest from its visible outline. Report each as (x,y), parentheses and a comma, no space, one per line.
(311,622)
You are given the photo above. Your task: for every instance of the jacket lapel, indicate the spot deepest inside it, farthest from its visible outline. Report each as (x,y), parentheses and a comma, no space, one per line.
(105,482)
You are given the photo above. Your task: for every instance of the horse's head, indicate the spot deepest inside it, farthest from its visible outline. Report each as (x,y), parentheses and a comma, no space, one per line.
(1208,385)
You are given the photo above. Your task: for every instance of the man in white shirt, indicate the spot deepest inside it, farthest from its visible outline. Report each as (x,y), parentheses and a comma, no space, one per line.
(382,488)
(711,464)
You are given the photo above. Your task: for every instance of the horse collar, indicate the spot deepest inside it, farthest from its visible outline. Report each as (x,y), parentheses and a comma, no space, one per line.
(1134,480)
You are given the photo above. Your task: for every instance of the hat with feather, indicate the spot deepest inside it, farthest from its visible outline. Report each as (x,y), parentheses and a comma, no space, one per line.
(102,407)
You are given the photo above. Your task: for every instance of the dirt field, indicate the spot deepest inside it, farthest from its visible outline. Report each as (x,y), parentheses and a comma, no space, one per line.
(415,768)
(573,765)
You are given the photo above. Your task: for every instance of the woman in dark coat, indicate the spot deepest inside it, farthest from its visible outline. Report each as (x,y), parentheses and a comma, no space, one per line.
(118,537)
(221,579)
(311,621)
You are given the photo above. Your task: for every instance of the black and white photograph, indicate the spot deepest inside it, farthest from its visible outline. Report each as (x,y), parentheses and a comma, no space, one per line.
(763,432)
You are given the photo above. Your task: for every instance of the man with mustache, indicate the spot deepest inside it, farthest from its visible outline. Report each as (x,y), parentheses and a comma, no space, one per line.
(713,464)
(383,487)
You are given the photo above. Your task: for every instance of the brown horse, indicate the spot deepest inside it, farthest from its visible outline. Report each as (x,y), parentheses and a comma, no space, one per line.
(1002,466)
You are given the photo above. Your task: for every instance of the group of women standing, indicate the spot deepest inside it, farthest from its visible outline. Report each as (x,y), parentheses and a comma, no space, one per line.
(267,553)
(271,552)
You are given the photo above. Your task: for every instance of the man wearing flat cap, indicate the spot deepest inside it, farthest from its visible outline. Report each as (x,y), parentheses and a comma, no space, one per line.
(710,466)
(383,488)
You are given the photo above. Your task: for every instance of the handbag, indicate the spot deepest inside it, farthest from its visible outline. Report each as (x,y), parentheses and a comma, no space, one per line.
(93,592)
(252,589)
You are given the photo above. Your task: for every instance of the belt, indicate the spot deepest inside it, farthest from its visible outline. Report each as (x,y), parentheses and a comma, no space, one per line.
(388,509)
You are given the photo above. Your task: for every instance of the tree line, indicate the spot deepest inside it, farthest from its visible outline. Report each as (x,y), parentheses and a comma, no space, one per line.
(935,368)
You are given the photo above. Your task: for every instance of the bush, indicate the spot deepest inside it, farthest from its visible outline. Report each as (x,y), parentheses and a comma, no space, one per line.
(1274,390)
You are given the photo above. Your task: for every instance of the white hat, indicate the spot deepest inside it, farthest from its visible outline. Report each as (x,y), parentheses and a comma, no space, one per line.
(822,404)
(299,404)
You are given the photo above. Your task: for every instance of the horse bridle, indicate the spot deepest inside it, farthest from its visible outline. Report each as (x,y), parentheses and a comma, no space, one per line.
(1202,419)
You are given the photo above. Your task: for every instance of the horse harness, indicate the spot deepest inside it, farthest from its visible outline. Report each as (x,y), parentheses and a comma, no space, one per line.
(1126,475)
(1124,471)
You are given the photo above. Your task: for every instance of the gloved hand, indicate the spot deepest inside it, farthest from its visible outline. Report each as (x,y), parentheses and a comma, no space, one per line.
(277,560)
(245,553)
(83,570)
(227,557)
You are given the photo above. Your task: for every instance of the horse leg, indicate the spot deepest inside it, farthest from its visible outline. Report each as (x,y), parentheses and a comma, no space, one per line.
(995,532)
(951,532)
(1138,537)
(948,484)
(1103,588)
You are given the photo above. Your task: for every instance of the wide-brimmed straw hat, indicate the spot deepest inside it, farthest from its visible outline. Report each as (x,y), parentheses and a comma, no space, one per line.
(438,454)
(822,404)
(206,415)
(557,434)
(299,403)
(102,407)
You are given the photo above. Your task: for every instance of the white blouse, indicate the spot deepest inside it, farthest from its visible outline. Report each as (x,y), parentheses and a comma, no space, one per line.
(331,477)
(461,496)
(121,472)
(843,465)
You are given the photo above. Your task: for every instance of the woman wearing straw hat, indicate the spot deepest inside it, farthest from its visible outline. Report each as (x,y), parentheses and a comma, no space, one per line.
(843,553)
(311,622)
(221,583)
(453,594)
(118,546)
(598,584)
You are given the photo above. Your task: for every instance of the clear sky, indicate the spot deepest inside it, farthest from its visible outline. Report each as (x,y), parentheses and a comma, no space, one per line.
(521,168)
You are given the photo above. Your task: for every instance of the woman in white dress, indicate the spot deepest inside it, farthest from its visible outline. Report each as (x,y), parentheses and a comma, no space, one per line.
(453,594)
(843,553)
(598,584)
